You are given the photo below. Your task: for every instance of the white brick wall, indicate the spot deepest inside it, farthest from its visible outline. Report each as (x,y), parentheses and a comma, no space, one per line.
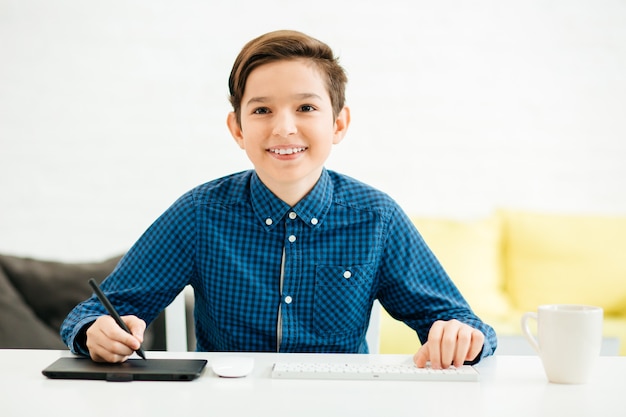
(111,110)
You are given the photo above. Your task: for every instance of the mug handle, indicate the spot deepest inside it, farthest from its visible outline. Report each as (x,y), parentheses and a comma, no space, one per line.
(526,330)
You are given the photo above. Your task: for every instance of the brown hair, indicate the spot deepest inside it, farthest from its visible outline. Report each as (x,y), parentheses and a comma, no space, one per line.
(285,45)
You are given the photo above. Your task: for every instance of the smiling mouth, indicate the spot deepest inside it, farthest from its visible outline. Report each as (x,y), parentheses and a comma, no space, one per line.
(287,151)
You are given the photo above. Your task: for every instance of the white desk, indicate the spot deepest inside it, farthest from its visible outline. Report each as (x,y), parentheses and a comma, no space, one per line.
(509,386)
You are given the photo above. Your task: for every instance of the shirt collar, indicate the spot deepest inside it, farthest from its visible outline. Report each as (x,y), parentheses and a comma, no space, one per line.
(312,209)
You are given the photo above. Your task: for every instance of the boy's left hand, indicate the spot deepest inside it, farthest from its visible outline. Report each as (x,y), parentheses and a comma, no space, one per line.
(449,343)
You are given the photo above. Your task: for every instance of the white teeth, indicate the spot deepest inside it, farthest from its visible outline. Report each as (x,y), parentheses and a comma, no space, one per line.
(288,151)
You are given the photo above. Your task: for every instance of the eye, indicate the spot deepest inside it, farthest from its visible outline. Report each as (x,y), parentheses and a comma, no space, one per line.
(261,110)
(306,108)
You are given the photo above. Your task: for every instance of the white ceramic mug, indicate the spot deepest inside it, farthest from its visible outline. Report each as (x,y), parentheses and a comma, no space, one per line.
(568,340)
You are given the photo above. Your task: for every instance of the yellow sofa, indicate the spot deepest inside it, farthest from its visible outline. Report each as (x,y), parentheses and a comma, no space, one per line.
(514,260)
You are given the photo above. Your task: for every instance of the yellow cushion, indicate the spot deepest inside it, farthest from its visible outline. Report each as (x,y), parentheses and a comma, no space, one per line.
(396,337)
(565,259)
(469,251)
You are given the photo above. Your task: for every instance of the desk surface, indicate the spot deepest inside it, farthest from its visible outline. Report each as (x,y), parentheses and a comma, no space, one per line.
(509,386)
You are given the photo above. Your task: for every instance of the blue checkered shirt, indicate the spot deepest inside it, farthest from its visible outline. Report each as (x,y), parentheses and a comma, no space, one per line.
(270,277)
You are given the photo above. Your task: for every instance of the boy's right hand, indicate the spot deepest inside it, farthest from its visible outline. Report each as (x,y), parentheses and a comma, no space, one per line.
(108,342)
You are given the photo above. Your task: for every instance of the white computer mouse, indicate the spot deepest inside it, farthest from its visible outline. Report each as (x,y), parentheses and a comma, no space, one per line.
(232,366)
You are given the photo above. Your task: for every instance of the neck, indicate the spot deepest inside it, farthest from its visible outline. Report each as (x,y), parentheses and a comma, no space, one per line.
(291,192)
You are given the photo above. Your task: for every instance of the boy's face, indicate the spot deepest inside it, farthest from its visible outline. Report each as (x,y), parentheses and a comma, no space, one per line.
(287,125)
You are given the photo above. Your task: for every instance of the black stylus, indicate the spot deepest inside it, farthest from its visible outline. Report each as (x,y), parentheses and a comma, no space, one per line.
(107,304)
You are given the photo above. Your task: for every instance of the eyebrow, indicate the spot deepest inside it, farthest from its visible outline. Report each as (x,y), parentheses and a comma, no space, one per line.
(300,96)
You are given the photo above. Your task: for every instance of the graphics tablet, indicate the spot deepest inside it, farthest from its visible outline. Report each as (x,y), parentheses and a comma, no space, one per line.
(131,370)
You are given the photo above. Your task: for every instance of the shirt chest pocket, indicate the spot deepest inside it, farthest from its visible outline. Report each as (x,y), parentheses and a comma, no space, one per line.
(342,298)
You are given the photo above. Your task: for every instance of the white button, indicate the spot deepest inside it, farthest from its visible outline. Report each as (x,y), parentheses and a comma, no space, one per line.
(288,299)
(314,221)
(347,274)
(292,238)
(292,215)
(268,221)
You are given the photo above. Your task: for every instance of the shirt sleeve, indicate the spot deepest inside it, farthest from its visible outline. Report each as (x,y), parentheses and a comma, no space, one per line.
(157,267)
(417,290)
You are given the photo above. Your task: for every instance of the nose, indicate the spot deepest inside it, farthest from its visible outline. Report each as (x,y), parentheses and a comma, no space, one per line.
(284,124)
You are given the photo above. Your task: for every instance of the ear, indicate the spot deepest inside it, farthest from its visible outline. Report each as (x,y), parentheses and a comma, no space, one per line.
(235,129)
(341,125)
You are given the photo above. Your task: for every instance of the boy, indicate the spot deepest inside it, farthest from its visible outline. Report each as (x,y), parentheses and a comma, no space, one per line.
(289,256)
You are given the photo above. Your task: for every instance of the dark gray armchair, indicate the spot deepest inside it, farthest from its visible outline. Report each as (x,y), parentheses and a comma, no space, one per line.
(37,295)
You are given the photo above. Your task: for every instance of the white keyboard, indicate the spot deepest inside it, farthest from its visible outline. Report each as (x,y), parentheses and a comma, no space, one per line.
(405,371)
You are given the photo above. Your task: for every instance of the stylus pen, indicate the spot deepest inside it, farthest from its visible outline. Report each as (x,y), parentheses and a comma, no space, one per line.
(107,304)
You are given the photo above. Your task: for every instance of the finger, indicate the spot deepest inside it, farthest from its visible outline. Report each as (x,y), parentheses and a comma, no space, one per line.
(108,349)
(477,343)
(449,342)
(434,344)
(101,350)
(112,353)
(120,338)
(463,344)
(136,326)
(421,356)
